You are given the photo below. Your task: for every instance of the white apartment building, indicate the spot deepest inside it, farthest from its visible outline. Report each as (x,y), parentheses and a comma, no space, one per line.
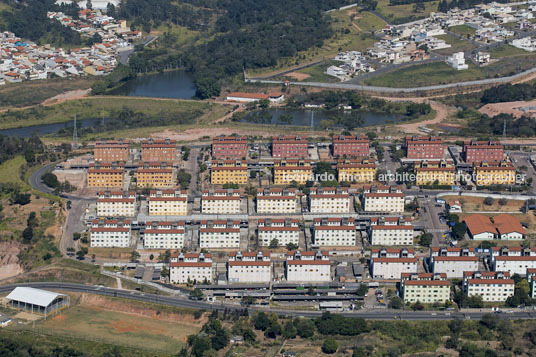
(110,233)
(190,267)
(515,260)
(390,231)
(285,230)
(391,263)
(116,204)
(249,267)
(307,266)
(277,200)
(163,235)
(426,288)
(492,286)
(224,201)
(531,278)
(334,232)
(457,61)
(383,199)
(168,203)
(219,234)
(329,200)
(453,261)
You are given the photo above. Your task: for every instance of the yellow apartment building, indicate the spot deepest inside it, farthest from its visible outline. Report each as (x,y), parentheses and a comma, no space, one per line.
(429,172)
(499,174)
(229,171)
(286,171)
(359,171)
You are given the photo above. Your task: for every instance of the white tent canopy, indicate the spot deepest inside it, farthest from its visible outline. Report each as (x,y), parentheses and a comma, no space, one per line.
(33,296)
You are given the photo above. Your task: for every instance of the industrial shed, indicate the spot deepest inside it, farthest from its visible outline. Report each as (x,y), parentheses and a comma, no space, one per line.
(37,301)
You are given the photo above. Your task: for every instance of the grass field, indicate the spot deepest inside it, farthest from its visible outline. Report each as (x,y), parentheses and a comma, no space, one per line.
(477,204)
(463,30)
(506,51)
(404,13)
(91,323)
(98,107)
(456,43)
(10,169)
(317,73)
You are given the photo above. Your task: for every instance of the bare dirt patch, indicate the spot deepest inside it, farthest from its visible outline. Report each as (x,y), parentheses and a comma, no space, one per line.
(70,95)
(9,261)
(299,76)
(512,108)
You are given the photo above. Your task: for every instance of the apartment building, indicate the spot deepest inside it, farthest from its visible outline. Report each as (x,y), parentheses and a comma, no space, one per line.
(515,260)
(356,170)
(168,203)
(249,267)
(223,201)
(429,172)
(110,151)
(292,170)
(219,234)
(391,263)
(230,147)
(190,268)
(289,147)
(229,171)
(453,261)
(329,200)
(503,226)
(105,175)
(159,150)
(277,200)
(426,288)
(424,147)
(350,146)
(387,231)
(333,232)
(307,266)
(285,230)
(164,235)
(492,286)
(155,175)
(531,278)
(503,173)
(383,199)
(475,152)
(116,204)
(111,233)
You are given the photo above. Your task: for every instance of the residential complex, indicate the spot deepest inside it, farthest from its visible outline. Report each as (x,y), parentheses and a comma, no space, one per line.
(350,146)
(285,230)
(229,171)
(307,266)
(333,232)
(155,175)
(222,201)
(277,200)
(329,200)
(383,199)
(105,175)
(426,288)
(110,233)
(391,263)
(475,152)
(159,150)
(356,170)
(292,170)
(249,267)
(492,286)
(515,260)
(116,203)
(167,203)
(190,267)
(503,173)
(424,147)
(230,147)
(441,172)
(164,235)
(290,147)
(219,234)
(453,261)
(503,226)
(110,151)
(389,231)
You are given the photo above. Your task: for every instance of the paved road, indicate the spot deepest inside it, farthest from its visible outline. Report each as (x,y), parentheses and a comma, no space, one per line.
(183,302)
(125,55)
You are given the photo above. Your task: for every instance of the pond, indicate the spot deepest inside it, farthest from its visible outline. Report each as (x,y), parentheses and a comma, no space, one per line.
(172,84)
(44,129)
(312,118)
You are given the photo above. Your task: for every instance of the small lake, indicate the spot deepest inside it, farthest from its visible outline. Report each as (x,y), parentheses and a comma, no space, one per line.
(300,117)
(44,129)
(172,84)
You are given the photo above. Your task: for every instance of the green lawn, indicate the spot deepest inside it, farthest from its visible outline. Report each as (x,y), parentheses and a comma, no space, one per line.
(317,73)
(463,30)
(506,51)
(456,43)
(404,13)
(10,171)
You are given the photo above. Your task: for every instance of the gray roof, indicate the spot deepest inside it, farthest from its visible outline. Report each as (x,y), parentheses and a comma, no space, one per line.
(33,296)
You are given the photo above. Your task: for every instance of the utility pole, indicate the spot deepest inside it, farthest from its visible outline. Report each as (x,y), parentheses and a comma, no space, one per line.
(75,135)
(504,130)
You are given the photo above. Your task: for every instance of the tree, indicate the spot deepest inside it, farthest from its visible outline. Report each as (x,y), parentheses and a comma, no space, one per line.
(89,5)
(503,201)
(196,294)
(273,331)
(21,198)
(27,235)
(290,331)
(459,230)
(134,256)
(274,243)
(362,290)
(249,335)
(426,239)
(264,103)
(292,246)
(330,345)
(248,300)
(261,321)
(306,328)
(396,303)
(80,254)
(489,201)
(206,88)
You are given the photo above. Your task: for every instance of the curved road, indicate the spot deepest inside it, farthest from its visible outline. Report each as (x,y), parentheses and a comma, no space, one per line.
(182,302)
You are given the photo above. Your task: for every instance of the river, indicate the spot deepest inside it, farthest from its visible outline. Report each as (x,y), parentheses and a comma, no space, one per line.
(172,84)
(44,129)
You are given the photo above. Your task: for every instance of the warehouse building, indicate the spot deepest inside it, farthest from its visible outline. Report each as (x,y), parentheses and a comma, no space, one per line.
(37,301)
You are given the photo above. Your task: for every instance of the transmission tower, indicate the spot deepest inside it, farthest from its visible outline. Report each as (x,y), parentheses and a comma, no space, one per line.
(75,135)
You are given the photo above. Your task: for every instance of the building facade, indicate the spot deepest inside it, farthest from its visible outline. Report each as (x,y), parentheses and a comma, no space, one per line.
(116,204)
(249,267)
(164,235)
(333,232)
(426,288)
(155,175)
(391,263)
(105,175)
(503,173)
(356,170)
(515,260)
(219,234)
(475,152)
(453,261)
(277,200)
(387,231)
(190,267)
(230,147)
(492,286)
(329,200)
(350,146)
(229,171)
(168,203)
(307,266)
(441,172)
(289,147)
(224,201)
(288,171)
(285,230)
(424,147)
(159,150)
(111,151)
(110,233)
(383,199)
